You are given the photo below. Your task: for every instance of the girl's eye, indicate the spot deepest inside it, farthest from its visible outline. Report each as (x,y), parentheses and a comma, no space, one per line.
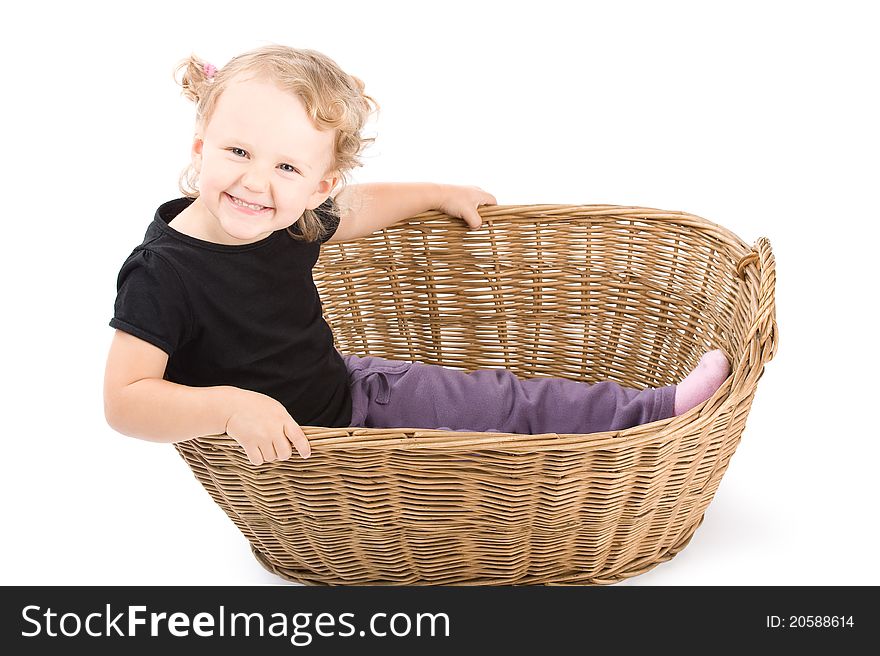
(241,152)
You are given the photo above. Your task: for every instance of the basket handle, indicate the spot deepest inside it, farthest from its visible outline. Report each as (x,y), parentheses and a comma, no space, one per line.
(763,332)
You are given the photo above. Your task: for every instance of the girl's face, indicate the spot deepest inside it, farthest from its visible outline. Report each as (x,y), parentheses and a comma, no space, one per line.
(261,163)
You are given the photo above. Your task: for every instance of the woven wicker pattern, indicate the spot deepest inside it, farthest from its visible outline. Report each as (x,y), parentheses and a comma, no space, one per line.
(629,294)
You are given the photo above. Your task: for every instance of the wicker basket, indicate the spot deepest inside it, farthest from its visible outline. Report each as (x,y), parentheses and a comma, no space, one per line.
(586,292)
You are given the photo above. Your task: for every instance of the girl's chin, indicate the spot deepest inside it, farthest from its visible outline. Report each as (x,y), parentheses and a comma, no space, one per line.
(246,237)
(239,233)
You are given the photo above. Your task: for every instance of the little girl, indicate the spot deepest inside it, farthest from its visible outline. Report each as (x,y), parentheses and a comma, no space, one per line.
(219,327)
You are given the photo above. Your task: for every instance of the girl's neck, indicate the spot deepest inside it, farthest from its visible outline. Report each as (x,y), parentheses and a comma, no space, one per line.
(186,222)
(196,222)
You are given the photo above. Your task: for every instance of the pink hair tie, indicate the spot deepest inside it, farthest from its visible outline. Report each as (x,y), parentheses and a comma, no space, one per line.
(210,70)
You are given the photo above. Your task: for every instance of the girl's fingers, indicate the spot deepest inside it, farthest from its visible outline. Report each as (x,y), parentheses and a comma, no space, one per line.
(254,455)
(267,452)
(301,444)
(282,447)
(473,219)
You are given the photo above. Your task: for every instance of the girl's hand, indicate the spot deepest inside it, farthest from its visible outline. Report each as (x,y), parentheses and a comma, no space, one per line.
(264,428)
(463,203)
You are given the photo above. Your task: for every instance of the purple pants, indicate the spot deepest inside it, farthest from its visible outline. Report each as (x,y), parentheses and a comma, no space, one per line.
(400,394)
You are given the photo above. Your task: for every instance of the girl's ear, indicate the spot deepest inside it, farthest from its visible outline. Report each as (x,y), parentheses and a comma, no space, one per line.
(324,189)
(198,144)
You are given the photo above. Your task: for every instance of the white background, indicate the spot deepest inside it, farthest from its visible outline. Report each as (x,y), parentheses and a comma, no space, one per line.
(760,116)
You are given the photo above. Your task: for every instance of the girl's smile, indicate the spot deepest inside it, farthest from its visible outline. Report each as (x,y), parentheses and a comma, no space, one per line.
(246,208)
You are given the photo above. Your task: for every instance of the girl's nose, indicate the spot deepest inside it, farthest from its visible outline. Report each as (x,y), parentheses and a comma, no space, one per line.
(255,180)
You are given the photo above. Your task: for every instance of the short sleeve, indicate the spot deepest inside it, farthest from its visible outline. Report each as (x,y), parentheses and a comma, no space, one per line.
(151,302)
(328,213)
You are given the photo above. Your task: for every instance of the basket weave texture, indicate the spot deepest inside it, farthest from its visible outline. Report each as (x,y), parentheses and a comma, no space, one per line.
(586,292)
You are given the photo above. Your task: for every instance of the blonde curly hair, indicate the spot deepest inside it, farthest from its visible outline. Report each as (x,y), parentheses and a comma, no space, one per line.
(332,98)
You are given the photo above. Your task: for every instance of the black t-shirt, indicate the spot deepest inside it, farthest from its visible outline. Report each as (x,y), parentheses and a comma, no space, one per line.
(248,316)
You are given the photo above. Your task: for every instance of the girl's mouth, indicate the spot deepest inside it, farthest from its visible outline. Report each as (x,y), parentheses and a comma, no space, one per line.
(246,208)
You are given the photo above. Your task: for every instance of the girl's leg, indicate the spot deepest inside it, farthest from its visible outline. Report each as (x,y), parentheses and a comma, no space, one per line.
(398,394)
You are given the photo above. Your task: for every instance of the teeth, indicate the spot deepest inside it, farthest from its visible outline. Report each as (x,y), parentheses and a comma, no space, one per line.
(238,201)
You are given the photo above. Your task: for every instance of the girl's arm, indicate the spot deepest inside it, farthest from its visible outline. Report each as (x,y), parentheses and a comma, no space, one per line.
(138,402)
(367,208)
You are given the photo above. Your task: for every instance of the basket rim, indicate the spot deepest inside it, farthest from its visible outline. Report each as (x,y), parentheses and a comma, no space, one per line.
(561,212)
